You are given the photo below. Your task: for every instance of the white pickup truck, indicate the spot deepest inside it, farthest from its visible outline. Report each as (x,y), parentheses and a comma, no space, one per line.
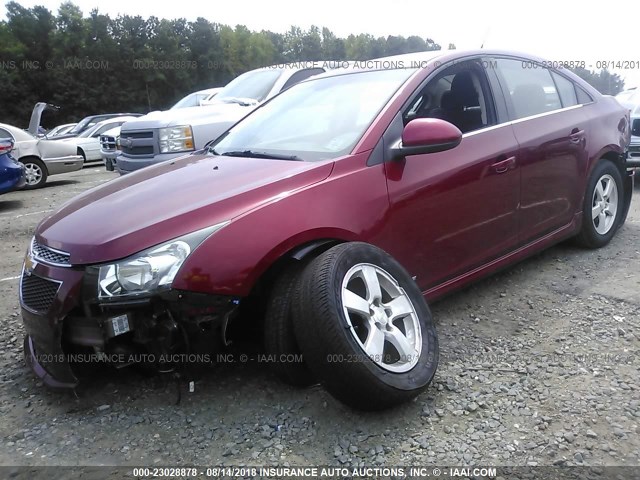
(161,136)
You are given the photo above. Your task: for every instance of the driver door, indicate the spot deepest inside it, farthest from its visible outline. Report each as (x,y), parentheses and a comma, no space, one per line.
(454,211)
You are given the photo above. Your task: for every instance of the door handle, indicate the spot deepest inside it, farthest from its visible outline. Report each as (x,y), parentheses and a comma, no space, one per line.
(504,165)
(576,135)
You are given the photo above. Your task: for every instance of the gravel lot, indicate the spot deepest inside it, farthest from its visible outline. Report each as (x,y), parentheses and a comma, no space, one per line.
(539,365)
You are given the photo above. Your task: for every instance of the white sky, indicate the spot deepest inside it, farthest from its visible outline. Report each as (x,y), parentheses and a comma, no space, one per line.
(556,30)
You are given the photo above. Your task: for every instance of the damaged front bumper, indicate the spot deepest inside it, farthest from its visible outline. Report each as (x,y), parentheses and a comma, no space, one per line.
(65,321)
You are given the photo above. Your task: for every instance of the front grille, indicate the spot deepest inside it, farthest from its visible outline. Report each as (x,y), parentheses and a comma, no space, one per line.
(37,293)
(107,143)
(137,150)
(142,134)
(635,127)
(48,255)
(138,143)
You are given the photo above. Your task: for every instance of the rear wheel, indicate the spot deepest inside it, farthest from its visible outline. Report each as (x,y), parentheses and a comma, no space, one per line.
(603,208)
(35,172)
(364,327)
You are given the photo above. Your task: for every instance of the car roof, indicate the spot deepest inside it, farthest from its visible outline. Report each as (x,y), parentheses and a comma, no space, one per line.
(418,60)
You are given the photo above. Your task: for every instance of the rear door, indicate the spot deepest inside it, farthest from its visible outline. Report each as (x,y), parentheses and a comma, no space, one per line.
(455,210)
(552,131)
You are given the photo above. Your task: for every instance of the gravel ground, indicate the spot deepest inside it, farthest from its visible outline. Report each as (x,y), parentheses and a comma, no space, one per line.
(539,366)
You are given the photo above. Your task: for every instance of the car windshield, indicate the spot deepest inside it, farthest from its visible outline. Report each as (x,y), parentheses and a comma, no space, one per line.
(82,124)
(254,86)
(89,131)
(191,100)
(315,120)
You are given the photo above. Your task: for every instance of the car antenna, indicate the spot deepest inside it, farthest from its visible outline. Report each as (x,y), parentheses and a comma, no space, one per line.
(486,36)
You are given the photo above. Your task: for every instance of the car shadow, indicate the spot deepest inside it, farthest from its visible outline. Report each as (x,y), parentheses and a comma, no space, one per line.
(60,183)
(8,205)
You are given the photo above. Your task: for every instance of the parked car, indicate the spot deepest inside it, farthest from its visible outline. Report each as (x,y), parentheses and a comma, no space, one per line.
(110,148)
(631,99)
(326,217)
(60,130)
(88,142)
(161,136)
(12,173)
(88,122)
(40,156)
(197,99)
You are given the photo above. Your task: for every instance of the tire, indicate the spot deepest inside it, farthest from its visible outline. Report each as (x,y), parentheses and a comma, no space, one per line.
(607,206)
(36,172)
(279,337)
(332,337)
(81,153)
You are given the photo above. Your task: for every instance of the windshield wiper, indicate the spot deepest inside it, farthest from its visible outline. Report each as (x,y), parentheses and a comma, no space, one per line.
(252,154)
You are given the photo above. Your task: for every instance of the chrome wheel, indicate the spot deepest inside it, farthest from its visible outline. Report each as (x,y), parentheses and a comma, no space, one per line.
(33,173)
(381,318)
(604,205)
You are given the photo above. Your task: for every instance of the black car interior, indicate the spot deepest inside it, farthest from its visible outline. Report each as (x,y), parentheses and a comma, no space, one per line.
(456,97)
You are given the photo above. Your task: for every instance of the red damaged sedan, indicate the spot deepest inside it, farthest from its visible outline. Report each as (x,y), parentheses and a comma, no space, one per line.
(327,218)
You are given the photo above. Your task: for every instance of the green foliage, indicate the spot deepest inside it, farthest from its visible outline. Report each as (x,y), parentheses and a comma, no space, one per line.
(97,64)
(604,81)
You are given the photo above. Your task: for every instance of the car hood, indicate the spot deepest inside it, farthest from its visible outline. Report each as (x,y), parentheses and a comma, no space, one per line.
(36,116)
(210,114)
(159,203)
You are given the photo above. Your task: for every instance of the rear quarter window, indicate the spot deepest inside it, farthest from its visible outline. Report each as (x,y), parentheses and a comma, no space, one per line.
(583,97)
(5,134)
(566,90)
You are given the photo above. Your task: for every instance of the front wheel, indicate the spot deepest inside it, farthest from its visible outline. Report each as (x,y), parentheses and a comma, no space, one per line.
(603,207)
(364,327)
(35,173)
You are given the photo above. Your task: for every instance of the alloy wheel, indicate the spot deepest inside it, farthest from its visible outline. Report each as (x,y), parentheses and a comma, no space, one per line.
(604,205)
(33,173)
(381,318)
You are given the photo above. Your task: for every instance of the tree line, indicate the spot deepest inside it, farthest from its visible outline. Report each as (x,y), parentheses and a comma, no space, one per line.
(98,64)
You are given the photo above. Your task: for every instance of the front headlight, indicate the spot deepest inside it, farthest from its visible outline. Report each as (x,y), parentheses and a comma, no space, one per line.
(150,269)
(176,139)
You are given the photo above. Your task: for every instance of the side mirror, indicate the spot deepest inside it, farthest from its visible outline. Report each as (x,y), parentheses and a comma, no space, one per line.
(427,135)
(6,145)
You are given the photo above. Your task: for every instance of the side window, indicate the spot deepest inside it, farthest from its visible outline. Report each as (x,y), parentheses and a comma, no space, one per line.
(583,97)
(530,87)
(301,75)
(566,89)
(460,95)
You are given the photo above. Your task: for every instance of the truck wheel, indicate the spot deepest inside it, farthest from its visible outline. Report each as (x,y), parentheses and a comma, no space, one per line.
(35,172)
(280,342)
(603,207)
(364,327)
